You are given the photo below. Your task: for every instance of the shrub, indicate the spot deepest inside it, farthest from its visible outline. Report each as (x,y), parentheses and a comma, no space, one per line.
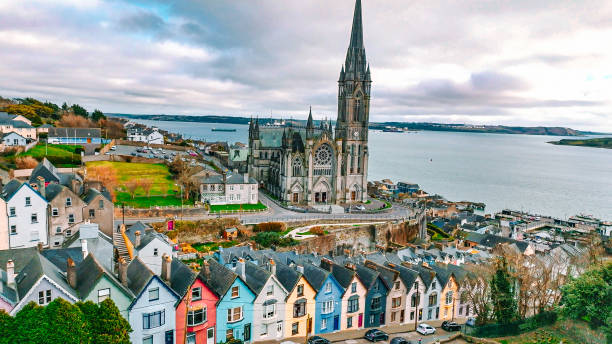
(25,162)
(268,239)
(270,227)
(317,231)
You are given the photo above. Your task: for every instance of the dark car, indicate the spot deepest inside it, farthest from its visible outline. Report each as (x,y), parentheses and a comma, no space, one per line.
(451,326)
(400,340)
(317,340)
(374,335)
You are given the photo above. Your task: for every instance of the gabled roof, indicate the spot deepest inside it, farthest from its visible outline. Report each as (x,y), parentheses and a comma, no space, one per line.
(138,275)
(181,277)
(59,256)
(92,193)
(256,277)
(34,270)
(408,276)
(75,132)
(315,276)
(427,275)
(343,276)
(89,272)
(20,257)
(388,275)
(491,240)
(12,187)
(46,170)
(219,279)
(12,133)
(286,275)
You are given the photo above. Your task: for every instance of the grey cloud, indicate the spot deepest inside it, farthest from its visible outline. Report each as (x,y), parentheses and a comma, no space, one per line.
(142,21)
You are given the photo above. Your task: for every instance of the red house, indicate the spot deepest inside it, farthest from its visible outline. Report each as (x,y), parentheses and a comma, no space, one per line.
(196,313)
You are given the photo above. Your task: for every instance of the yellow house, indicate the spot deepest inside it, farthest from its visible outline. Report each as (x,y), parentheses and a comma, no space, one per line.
(449,295)
(300,302)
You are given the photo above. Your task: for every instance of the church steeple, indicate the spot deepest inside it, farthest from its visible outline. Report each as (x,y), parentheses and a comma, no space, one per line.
(357,29)
(310,125)
(355,64)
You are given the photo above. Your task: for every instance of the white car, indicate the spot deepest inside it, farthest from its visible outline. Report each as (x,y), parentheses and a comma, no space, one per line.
(425,329)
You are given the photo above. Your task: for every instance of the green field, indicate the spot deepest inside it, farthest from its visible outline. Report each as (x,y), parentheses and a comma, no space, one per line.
(234,207)
(603,142)
(59,155)
(213,246)
(161,179)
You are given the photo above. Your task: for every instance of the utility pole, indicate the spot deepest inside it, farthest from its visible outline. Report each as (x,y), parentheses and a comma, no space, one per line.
(416,304)
(123,212)
(187,308)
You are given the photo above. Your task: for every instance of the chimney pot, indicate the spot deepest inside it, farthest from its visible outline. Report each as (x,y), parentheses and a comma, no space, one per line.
(40,246)
(10,272)
(166,263)
(240,269)
(41,186)
(137,239)
(300,269)
(206,267)
(71,273)
(272,267)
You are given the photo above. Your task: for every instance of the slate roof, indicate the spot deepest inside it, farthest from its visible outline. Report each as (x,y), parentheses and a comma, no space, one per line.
(52,190)
(20,256)
(75,132)
(181,277)
(101,246)
(315,275)
(227,254)
(88,272)
(12,133)
(442,272)
(92,193)
(36,268)
(10,188)
(138,275)
(491,240)
(366,275)
(220,278)
(427,275)
(343,276)
(408,276)
(286,275)
(147,234)
(7,293)
(256,277)
(59,256)
(46,170)
(235,178)
(388,275)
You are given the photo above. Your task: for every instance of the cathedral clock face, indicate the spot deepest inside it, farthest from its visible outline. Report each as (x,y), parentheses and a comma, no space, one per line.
(356,133)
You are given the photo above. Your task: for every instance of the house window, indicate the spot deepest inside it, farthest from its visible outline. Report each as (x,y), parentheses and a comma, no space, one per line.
(68,201)
(414,300)
(299,308)
(353,304)
(461,310)
(393,316)
(433,285)
(196,294)
(376,302)
(147,340)
(429,315)
(349,322)
(235,292)
(323,324)
(34,218)
(58,229)
(270,290)
(433,299)
(295,328)
(101,204)
(103,294)
(191,338)
(396,302)
(328,287)
(354,287)
(28,202)
(449,297)
(196,317)
(234,314)
(68,232)
(264,330)
(396,285)
(92,213)
(154,294)
(269,311)
(44,297)
(70,218)
(153,320)
(155,252)
(13,229)
(229,334)
(12,211)
(412,315)
(54,212)
(300,290)
(328,306)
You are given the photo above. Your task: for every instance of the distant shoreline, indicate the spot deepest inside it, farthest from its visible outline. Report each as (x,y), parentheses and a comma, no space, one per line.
(400,126)
(602,142)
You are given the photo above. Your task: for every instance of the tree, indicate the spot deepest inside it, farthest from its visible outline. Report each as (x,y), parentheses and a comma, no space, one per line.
(146,185)
(131,186)
(476,290)
(97,115)
(65,323)
(70,120)
(30,325)
(6,327)
(502,294)
(65,106)
(589,297)
(105,325)
(112,129)
(79,110)
(24,162)
(106,175)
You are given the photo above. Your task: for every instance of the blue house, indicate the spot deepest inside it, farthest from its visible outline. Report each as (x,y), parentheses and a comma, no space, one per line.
(328,300)
(376,297)
(75,136)
(235,305)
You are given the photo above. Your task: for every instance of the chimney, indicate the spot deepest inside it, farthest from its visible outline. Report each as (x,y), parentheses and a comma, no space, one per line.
(327,264)
(300,269)
(272,267)
(224,177)
(350,266)
(137,239)
(246,178)
(41,186)
(240,269)
(10,272)
(165,272)
(250,245)
(40,246)
(71,273)
(206,267)
(84,248)
(75,185)
(123,265)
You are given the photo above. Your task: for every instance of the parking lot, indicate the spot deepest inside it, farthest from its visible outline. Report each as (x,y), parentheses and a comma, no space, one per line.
(167,154)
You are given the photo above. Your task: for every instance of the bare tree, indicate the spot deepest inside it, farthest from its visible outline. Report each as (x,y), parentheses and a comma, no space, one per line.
(106,175)
(131,186)
(146,185)
(476,290)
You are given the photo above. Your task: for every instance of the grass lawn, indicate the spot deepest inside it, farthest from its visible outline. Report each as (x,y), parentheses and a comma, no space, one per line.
(59,155)
(213,246)
(151,201)
(230,207)
(310,233)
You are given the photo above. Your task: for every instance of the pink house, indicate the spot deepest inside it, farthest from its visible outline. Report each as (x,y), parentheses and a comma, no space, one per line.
(197,314)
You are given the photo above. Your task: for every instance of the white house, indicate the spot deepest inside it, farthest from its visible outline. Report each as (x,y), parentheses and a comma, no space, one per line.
(13,139)
(17,124)
(26,211)
(149,245)
(148,135)
(233,189)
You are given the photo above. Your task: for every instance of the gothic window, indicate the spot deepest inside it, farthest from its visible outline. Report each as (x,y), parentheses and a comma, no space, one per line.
(297,167)
(323,160)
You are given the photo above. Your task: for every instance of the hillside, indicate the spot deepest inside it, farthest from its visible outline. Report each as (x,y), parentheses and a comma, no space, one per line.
(603,142)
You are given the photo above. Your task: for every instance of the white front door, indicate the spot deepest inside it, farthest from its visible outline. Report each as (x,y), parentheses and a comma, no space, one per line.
(210,336)
(279,329)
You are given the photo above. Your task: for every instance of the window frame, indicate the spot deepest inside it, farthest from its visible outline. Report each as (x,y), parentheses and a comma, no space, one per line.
(154,291)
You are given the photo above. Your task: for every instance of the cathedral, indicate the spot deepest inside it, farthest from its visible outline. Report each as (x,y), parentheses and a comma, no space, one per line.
(317,165)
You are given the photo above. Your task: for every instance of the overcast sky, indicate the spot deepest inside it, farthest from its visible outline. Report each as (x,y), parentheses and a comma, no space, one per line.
(494,62)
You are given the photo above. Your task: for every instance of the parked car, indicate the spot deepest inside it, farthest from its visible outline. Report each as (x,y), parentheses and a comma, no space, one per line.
(400,340)
(425,329)
(317,340)
(471,322)
(374,335)
(450,326)
(113,148)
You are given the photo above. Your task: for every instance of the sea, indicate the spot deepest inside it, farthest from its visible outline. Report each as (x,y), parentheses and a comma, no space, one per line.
(519,172)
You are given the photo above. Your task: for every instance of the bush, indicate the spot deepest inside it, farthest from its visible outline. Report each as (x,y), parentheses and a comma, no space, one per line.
(24,162)
(268,239)
(277,227)
(317,231)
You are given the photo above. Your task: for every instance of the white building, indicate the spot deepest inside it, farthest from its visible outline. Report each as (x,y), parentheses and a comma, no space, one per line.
(148,135)
(233,189)
(13,139)
(17,124)
(26,211)
(148,245)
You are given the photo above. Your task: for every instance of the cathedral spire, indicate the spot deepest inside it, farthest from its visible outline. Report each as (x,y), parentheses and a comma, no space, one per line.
(310,124)
(355,64)
(357,30)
